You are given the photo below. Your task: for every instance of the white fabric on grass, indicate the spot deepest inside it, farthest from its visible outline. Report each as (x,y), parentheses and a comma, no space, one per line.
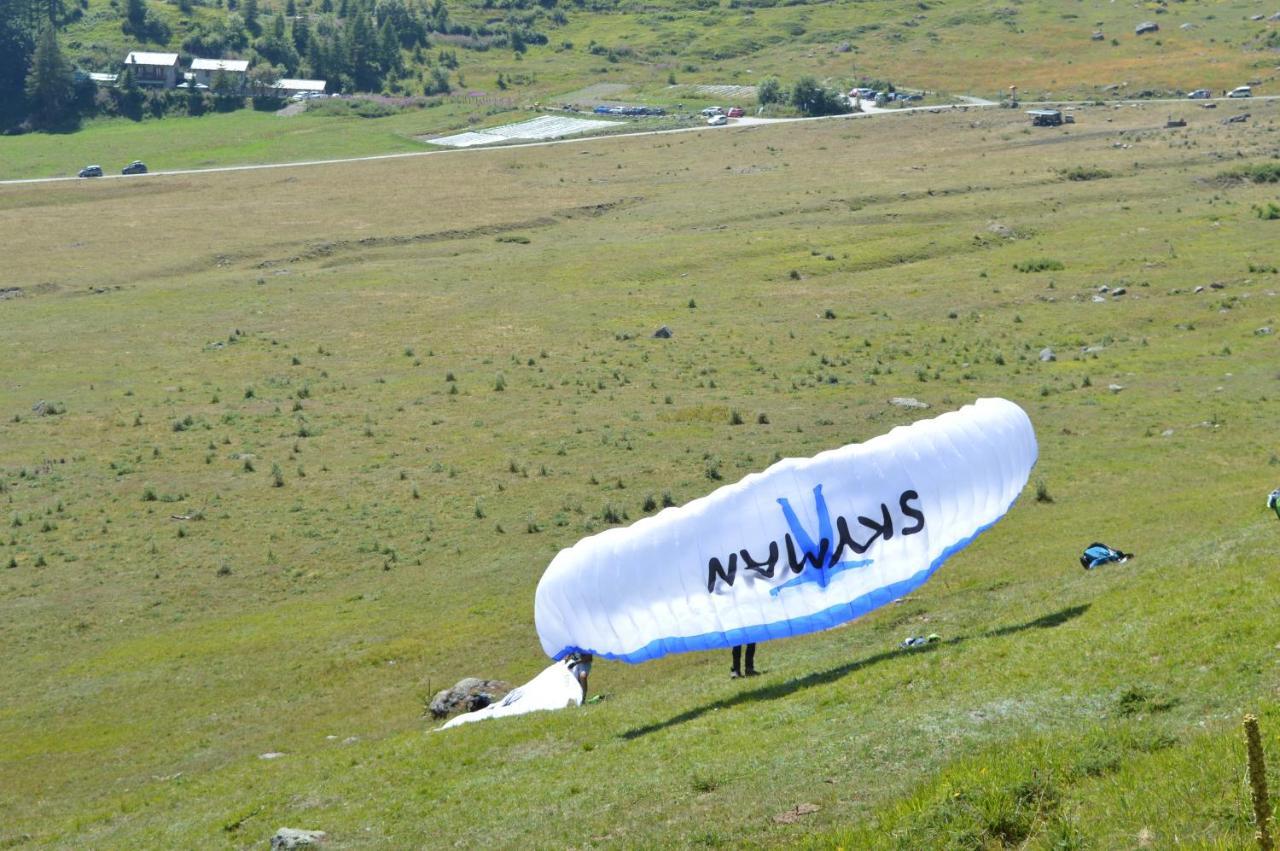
(554,688)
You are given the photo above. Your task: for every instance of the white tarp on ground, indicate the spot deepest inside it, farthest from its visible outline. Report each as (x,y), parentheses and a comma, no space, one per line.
(545,127)
(554,688)
(739,92)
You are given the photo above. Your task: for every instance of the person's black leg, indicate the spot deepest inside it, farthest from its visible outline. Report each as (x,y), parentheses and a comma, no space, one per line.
(751,659)
(736,670)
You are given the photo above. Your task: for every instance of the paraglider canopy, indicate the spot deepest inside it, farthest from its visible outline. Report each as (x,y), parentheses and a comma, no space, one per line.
(805,545)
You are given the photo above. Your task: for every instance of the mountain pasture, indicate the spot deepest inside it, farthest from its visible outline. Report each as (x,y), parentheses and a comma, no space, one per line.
(309,437)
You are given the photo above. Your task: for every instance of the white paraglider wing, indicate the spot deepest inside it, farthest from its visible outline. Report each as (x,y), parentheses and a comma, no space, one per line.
(805,545)
(555,688)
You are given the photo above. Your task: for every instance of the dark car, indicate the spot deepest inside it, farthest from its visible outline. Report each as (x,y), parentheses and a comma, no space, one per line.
(135,167)
(90,171)
(1200,94)
(1045,117)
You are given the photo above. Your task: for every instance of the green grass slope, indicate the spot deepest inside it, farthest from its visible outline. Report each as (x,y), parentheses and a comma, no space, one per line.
(385,394)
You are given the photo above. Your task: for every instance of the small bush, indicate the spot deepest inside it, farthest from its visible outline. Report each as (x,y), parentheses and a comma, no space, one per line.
(1259,173)
(1042,492)
(1084,173)
(704,783)
(1041,264)
(518,240)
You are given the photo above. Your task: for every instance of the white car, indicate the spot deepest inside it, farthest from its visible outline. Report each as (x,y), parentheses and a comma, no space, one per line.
(713,111)
(1240,92)
(718,120)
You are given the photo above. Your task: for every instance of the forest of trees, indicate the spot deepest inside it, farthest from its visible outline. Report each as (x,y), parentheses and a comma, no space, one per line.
(356,45)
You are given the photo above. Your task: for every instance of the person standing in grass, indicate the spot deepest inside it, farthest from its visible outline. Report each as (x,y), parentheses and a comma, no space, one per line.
(736,670)
(580,667)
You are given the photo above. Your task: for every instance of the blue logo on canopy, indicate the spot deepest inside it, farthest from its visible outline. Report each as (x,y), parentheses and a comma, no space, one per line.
(815,554)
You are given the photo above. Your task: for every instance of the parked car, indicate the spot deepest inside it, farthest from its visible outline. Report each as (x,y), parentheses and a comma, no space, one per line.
(734,112)
(90,171)
(135,167)
(1240,92)
(718,120)
(1200,94)
(911,96)
(1045,117)
(712,111)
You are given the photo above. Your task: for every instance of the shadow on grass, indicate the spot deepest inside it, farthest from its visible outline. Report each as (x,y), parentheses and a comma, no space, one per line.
(777,690)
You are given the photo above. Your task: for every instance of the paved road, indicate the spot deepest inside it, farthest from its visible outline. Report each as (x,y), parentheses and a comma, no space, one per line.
(869,111)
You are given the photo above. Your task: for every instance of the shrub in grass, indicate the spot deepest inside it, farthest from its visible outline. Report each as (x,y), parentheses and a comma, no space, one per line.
(1270,212)
(1040,264)
(704,783)
(1258,173)
(277,476)
(1042,492)
(248,393)
(649,503)
(1084,173)
(735,418)
(149,494)
(762,418)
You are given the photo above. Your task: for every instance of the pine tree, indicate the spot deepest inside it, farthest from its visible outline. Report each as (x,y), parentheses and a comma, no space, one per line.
(250,12)
(389,48)
(301,35)
(16,46)
(291,9)
(50,86)
(135,14)
(195,101)
(361,53)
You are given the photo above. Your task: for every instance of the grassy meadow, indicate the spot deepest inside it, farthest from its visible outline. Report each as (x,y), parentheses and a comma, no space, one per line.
(309,438)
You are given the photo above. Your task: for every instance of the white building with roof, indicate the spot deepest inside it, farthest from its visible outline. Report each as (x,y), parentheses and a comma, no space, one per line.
(154,69)
(204,71)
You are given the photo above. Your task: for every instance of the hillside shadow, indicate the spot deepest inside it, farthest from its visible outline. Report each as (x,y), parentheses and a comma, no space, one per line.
(783,689)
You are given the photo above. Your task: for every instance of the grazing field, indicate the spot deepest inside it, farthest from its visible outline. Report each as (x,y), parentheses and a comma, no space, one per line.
(284,452)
